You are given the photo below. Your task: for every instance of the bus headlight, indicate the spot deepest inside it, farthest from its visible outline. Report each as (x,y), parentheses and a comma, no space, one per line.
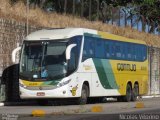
(63,83)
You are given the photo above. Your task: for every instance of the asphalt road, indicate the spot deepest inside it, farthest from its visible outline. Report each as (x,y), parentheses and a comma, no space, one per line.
(111,110)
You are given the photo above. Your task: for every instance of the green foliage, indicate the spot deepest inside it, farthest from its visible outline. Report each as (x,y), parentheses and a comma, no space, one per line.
(149,2)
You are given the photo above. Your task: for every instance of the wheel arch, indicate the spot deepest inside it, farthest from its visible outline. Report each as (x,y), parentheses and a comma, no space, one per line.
(130,83)
(88,85)
(136,82)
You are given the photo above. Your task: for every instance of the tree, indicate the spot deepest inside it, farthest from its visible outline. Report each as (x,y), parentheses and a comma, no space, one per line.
(146,11)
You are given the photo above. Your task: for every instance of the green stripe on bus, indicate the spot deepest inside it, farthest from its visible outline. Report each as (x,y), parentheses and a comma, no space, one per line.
(52,82)
(92,35)
(105,73)
(108,69)
(47,83)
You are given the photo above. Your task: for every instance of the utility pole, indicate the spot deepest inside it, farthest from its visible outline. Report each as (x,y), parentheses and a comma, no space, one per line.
(65,6)
(27,12)
(98,9)
(90,9)
(73,9)
(82,7)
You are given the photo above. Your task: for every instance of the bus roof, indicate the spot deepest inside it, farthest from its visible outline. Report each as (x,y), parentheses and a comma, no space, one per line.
(52,34)
(63,33)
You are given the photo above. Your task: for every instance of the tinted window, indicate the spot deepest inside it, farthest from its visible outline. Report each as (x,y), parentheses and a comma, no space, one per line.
(129,51)
(118,50)
(110,49)
(75,53)
(144,52)
(107,49)
(89,47)
(99,48)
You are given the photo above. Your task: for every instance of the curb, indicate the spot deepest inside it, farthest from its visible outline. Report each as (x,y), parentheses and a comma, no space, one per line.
(151,96)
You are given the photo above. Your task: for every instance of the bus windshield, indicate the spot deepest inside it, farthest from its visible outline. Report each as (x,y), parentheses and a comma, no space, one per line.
(43,60)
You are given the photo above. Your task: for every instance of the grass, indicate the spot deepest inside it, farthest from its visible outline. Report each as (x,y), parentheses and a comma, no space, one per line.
(38,17)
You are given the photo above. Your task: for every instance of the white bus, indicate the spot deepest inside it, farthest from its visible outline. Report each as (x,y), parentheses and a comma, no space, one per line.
(81,63)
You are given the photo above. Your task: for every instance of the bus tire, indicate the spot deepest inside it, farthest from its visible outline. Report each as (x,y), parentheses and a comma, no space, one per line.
(128,95)
(84,95)
(135,92)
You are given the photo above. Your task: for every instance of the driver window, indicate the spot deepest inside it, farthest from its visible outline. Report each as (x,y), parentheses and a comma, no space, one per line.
(75,52)
(72,61)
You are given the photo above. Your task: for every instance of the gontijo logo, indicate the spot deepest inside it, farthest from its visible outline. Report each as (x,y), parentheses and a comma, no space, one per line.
(126,67)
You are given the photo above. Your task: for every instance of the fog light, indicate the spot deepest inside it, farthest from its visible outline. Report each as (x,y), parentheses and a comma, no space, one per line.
(64,92)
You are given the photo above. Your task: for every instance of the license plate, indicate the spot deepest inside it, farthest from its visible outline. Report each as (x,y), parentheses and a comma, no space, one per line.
(40,93)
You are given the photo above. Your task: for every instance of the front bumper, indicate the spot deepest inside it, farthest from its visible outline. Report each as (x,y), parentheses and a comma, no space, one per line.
(62,92)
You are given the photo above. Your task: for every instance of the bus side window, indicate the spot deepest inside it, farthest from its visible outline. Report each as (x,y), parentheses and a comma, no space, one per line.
(141,49)
(89,48)
(133,52)
(113,50)
(138,52)
(107,49)
(75,52)
(129,51)
(85,50)
(123,45)
(99,48)
(144,53)
(118,50)
(72,61)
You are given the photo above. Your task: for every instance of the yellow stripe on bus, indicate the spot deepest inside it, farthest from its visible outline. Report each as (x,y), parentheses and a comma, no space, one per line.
(118,38)
(29,83)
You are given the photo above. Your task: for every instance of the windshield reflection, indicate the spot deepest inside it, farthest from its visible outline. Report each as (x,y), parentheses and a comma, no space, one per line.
(43,60)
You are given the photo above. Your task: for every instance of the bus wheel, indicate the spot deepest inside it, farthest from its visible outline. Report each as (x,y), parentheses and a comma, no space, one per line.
(135,92)
(128,95)
(84,95)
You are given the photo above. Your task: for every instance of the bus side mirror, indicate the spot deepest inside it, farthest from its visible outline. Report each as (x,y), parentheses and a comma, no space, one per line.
(14,54)
(68,51)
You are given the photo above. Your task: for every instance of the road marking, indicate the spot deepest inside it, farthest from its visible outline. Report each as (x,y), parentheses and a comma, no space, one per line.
(38,113)
(97,109)
(139,105)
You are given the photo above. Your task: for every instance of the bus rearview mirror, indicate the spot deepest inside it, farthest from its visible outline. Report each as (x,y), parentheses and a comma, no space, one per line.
(14,52)
(68,51)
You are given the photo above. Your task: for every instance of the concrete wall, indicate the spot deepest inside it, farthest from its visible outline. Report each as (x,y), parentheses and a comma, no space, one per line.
(12,34)
(154,81)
